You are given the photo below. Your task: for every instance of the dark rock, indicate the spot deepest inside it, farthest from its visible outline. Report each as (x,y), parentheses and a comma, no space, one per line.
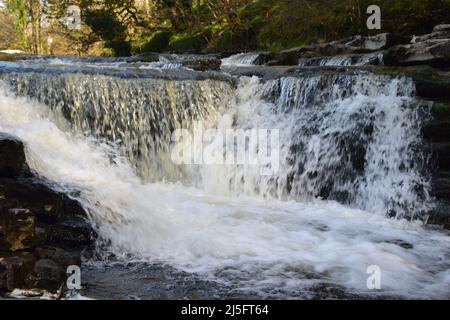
(60,256)
(45,203)
(440,216)
(14,270)
(71,234)
(287,57)
(47,275)
(72,209)
(17,229)
(435,52)
(401,243)
(12,156)
(202,63)
(442,154)
(437,131)
(441,186)
(430,83)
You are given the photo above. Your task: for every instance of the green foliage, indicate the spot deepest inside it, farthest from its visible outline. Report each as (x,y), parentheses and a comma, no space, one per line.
(158,42)
(228,25)
(20,11)
(225,40)
(106,25)
(187,43)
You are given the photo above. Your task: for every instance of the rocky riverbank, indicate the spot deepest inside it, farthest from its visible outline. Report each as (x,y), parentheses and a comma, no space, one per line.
(42,231)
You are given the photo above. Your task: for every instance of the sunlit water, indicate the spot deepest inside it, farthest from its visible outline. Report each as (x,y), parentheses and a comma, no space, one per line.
(262,236)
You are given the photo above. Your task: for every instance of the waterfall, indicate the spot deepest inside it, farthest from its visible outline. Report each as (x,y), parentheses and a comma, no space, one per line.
(241,59)
(354,138)
(350,153)
(368,59)
(351,138)
(137,114)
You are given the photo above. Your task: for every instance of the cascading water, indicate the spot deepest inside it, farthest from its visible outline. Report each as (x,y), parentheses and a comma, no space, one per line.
(241,59)
(368,59)
(353,139)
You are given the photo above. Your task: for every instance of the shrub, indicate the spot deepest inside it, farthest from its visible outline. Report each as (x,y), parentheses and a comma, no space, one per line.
(158,42)
(188,43)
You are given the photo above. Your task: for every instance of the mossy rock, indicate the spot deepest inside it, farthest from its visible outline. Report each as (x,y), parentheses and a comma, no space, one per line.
(431,83)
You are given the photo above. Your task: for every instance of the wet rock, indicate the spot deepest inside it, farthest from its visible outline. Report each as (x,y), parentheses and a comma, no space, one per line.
(441,186)
(442,154)
(437,131)
(72,209)
(60,256)
(288,57)
(45,203)
(71,234)
(401,243)
(442,28)
(12,156)
(14,270)
(374,43)
(46,274)
(439,32)
(204,64)
(434,52)
(17,229)
(431,83)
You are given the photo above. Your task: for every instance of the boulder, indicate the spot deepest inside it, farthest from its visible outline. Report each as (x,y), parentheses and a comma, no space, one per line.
(12,156)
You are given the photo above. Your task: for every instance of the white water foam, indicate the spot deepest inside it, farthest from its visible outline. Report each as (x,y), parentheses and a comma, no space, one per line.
(263,245)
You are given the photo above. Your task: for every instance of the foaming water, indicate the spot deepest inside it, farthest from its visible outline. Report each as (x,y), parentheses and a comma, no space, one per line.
(273,247)
(139,115)
(351,138)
